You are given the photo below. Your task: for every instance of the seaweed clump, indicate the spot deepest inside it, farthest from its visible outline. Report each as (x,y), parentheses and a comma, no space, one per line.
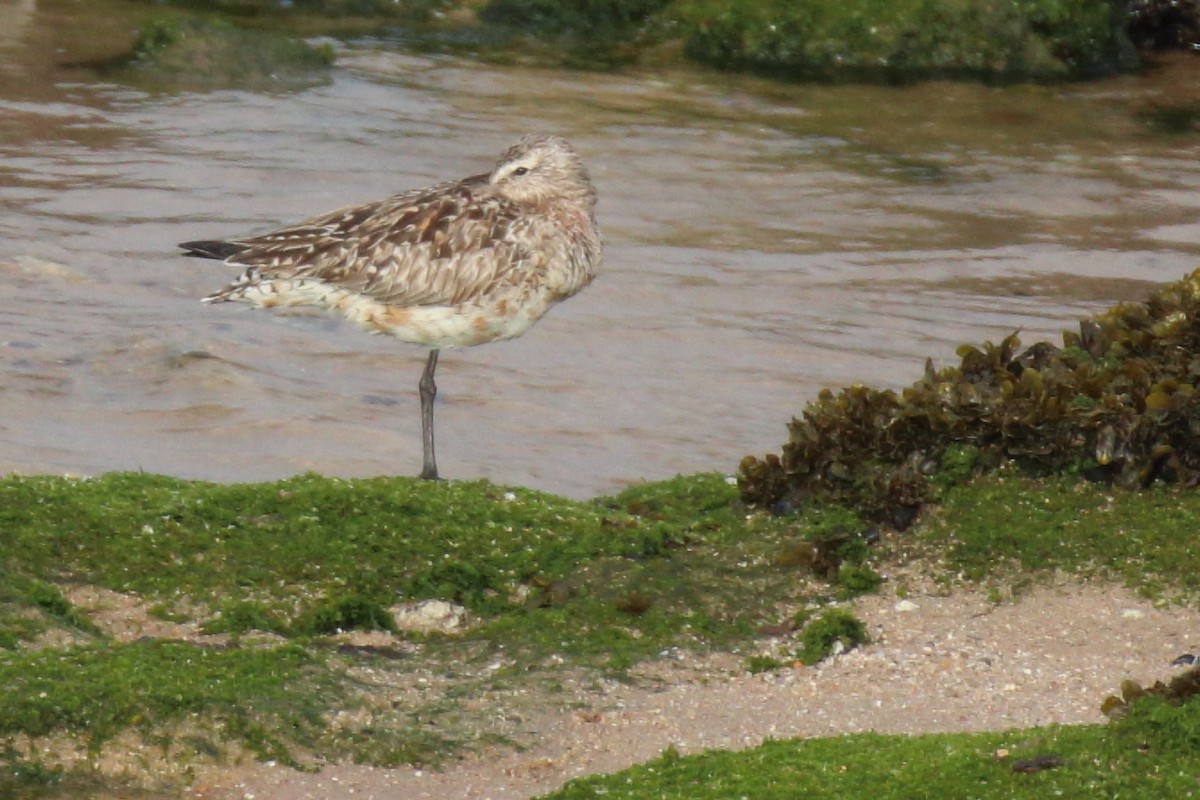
(1183,687)
(908,40)
(1118,402)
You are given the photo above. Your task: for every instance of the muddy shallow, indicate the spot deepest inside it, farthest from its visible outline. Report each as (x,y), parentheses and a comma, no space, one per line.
(763,242)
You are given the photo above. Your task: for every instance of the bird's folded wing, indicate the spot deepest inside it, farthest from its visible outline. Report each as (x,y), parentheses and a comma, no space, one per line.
(438,246)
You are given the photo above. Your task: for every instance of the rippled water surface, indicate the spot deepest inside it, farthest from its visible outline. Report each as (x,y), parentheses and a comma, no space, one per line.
(763,242)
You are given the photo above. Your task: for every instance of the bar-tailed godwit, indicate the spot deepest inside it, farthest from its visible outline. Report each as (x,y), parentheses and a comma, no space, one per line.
(452,265)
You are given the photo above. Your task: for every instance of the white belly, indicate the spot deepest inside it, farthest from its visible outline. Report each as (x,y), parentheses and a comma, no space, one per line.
(491,319)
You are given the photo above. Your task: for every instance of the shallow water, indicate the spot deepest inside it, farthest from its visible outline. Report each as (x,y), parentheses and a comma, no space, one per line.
(763,242)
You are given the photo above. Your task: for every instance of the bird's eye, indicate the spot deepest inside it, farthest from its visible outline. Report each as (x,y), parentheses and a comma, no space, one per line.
(521,171)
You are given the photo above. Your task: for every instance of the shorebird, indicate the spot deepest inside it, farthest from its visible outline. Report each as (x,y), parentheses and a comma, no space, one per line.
(452,265)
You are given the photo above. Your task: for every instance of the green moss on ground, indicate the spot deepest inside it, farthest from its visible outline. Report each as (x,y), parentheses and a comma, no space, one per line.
(607,582)
(834,631)
(29,607)
(1093,761)
(1008,523)
(552,585)
(307,543)
(267,699)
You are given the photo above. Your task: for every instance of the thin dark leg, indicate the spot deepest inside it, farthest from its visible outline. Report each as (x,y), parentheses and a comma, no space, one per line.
(428,392)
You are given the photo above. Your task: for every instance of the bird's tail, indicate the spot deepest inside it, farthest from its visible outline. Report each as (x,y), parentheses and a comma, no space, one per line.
(211,248)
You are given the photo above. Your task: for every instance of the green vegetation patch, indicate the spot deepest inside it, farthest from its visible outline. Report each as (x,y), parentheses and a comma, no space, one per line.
(834,631)
(246,696)
(1076,762)
(610,581)
(1161,726)
(1117,403)
(1008,522)
(551,584)
(308,540)
(908,39)
(29,606)
(873,40)
(716,579)
(175,51)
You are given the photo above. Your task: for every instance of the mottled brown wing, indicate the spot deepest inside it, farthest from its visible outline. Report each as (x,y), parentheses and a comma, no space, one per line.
(437,246)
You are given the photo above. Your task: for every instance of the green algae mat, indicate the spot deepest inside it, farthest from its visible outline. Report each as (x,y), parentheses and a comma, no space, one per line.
(267,575)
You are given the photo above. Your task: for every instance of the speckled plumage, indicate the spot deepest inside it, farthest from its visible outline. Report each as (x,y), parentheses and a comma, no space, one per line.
(457,264)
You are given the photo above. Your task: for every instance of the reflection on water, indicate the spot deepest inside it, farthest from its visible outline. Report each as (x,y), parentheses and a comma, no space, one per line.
(762,242)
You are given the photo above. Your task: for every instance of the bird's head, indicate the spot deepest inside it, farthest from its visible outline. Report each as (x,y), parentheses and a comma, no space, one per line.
(539,170)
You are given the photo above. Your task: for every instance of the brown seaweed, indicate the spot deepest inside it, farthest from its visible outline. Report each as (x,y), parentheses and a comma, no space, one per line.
(1183,686)
(1116,402)
(1038,763)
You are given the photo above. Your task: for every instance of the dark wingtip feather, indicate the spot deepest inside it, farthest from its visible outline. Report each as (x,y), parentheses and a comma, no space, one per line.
(212,249)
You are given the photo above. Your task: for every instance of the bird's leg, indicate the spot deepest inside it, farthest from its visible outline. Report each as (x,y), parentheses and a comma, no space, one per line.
(428,391)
